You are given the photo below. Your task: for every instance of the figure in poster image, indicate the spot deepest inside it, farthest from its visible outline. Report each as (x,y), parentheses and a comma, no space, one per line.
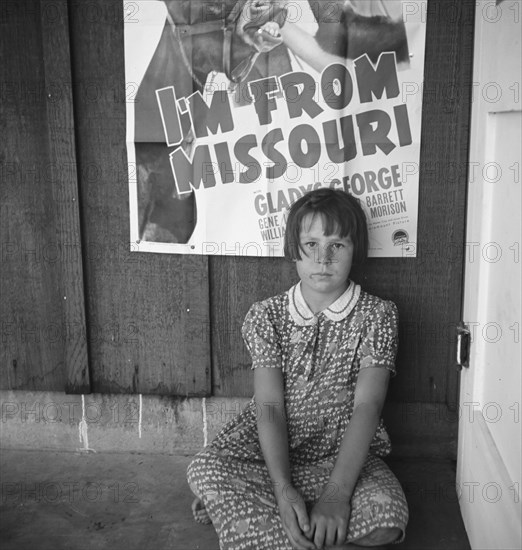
(239,38)
(301,466)
(346,30)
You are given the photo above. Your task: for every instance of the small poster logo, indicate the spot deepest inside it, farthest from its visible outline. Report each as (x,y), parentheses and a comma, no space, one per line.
(400,237)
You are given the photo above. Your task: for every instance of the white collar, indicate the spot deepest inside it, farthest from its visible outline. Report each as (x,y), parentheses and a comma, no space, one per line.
(339,310)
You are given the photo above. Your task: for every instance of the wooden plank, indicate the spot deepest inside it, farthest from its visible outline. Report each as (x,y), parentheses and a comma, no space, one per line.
(148,314)
(38,266)
(427,289)
(236,284)
(64,185)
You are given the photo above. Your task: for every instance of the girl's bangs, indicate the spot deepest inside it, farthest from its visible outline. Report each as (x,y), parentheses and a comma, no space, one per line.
(335,224)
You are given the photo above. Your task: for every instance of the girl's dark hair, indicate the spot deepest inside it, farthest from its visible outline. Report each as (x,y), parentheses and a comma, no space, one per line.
(340,212)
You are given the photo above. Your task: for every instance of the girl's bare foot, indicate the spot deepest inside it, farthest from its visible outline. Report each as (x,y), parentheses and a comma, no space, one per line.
(200,512)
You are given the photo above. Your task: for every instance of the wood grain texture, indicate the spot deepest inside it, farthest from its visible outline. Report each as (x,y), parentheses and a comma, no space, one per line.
(426,289)
(148,314)
(43,324)
(64,184)
(236,283)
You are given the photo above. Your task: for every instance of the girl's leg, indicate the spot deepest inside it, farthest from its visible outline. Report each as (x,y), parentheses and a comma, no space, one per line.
(239,500)
(379,509)
(380,536)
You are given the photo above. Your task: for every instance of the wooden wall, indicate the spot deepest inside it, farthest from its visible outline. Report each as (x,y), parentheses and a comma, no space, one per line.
(170,324)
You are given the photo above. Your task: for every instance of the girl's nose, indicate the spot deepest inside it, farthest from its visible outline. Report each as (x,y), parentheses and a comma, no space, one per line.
(324,255)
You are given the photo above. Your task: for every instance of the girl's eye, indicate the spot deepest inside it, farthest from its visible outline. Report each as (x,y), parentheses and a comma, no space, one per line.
(311,244)
(337,246)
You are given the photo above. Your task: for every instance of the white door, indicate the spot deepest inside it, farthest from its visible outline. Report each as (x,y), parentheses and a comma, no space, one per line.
(489,455)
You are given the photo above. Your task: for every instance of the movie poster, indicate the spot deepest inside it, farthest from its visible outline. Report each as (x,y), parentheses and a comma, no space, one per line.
(236,108)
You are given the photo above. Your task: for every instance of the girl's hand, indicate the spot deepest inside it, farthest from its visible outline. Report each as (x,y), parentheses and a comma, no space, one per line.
(294,518)
(329,523)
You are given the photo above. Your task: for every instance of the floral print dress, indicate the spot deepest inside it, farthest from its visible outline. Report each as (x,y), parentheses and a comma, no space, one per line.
(320,355)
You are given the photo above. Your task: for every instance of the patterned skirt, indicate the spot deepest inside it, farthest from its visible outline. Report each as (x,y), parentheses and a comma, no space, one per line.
(239,499)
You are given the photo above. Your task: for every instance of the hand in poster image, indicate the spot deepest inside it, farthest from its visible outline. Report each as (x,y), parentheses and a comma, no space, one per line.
(348,29)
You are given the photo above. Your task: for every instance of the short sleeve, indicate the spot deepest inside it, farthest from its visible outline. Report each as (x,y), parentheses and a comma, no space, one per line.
(380,337)
(260,338)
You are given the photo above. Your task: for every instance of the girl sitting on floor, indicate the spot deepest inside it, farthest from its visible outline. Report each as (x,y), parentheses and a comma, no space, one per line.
(300,467)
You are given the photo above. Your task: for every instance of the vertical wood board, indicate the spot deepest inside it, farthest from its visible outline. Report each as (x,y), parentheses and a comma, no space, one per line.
(62,156)
(43,326)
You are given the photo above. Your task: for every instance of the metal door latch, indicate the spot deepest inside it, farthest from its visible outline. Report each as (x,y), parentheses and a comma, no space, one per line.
(463,345)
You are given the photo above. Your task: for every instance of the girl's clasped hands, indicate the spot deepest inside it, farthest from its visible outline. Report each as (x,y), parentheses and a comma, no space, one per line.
(326,525)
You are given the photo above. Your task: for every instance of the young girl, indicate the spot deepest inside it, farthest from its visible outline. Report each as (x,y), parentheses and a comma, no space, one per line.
(299,467)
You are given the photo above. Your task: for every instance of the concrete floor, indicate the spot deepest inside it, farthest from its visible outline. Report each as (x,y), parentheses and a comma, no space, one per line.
(77,501)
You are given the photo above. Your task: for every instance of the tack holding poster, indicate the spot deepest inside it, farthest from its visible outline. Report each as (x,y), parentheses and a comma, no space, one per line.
(239,107)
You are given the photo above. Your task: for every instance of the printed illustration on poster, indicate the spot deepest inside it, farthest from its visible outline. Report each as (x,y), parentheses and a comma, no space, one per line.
(238,107)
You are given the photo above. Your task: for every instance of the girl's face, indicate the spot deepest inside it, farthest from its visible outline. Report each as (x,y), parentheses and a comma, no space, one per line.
(325,263)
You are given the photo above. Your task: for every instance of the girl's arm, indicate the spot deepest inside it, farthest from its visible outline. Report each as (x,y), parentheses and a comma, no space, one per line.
(329,518)
(273,438)
(271,425)
(305,46)
(369,36)
(370,393)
